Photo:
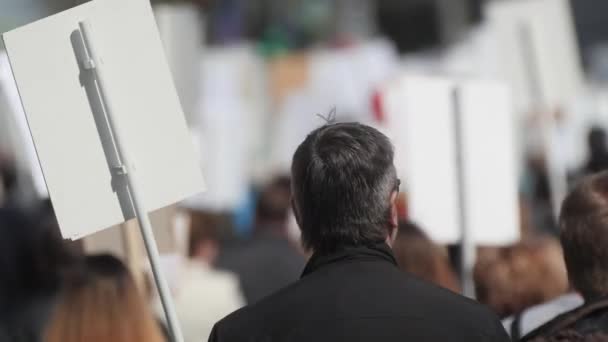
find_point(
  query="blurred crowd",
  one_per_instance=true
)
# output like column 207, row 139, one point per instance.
column 52, row 291
column 308, row 57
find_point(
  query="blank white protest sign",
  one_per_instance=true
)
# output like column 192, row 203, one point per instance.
column 420, row 115
column 61, row 119
column 488, row 161
column 538, row 51
column 423, row 113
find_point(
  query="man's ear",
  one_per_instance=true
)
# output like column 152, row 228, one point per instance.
column 394, row 219
column 296, row 212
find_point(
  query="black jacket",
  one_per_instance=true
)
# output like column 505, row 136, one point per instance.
column 359, row 294
column 579, row 324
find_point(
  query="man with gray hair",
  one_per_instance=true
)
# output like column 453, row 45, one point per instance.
column 344, row 194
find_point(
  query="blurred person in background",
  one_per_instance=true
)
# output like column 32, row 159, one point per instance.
column 204, row 294
column 597, row 149
column 537, row 194
column 8, row 181
column 584, row 238
column 417, row 254
column 33, row 258
column 511, row 279
column 345, row 191
column 530, row 318
column 269, row 261
column 100, row 303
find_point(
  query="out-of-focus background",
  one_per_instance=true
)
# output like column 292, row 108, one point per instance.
column 495, row 108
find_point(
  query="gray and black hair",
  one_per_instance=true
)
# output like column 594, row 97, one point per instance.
column 342, row 179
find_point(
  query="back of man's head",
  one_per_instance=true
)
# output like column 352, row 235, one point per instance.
column 342, row 179
column 584, row 235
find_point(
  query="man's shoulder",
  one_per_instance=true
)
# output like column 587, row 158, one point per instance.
column 406, row 299
column 591, row 318
column 434, row 297
column 274, row 304
column 254, row 319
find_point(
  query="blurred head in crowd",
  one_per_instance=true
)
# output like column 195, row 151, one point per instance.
column 511, row 279
column 203, row 242
column 272, row 207
column 344, row 187
column 8, row 178
column 597, row 149
column 100, row 303
column 584, row 235
column 417, row 254
column 32, row 257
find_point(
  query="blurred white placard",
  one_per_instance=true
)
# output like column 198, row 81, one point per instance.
column 538, row 51
column 420, row 115
column 181, row 30
column 488, row 162
column 223, row 128
column 61, row 120
column 14, row 131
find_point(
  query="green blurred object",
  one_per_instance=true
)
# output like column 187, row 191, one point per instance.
column 274, row 42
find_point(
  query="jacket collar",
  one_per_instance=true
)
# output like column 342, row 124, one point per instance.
column 377, row 252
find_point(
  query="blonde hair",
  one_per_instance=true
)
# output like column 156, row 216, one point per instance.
column 511, row 279
column 100, row 303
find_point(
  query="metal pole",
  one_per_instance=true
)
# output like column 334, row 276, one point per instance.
column 96, row 64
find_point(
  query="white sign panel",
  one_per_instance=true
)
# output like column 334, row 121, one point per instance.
column 15, row 130
column 538, row 50
column 435, row 121
column 488, row 161
column 59, row 98
column 420, row 116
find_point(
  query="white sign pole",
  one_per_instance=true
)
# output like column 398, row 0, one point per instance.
column 467, row 244
column 125, row 169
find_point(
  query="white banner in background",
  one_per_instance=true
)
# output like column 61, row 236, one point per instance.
column 489, row 163
column 422, row 114
column 538, row 51
column 14, row 130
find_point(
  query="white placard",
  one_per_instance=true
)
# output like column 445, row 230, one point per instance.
column 15, row 130
column 488, row 160
column 61, row 115
column 420, row 116
column 182, row 31
column 538, row 51
column 224, row 127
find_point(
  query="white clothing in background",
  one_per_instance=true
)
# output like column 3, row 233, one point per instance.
column 229, row 121
column 204, row 296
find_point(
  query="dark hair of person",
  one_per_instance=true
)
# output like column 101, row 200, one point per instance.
column 8, row 173
column 342, row 179
column 598, row 150
column 32, row 255
column 512, row 278
column 584, row 235
column 206, row 226
column 272, row 206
